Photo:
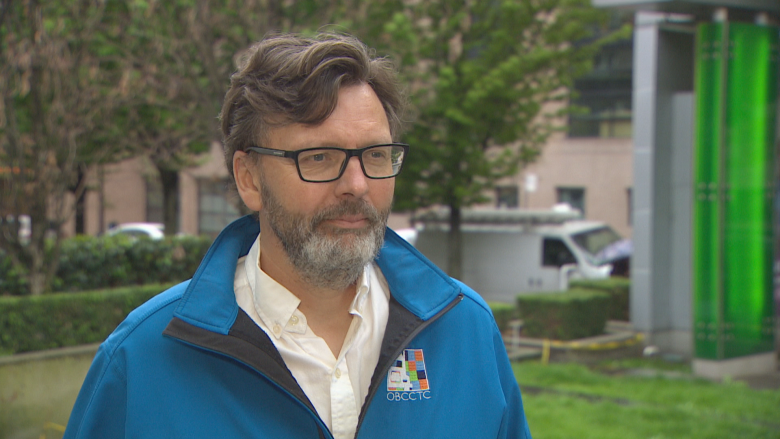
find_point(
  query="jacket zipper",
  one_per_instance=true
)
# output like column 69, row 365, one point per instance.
column 389, row 362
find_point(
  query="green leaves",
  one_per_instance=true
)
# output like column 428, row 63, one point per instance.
column 53, row 321
column 488, row 79
column 89, row 262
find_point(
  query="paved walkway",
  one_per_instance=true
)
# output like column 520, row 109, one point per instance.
column 620, row 340
column 762, row 382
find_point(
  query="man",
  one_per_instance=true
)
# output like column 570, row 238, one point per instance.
column 326, row 323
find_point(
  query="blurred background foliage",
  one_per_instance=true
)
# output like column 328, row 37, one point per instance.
column 90, row 263
column 88, row 82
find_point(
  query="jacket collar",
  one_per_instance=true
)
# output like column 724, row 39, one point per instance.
column 209, row 301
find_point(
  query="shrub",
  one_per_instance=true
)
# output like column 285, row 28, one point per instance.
column 619, row 290
column 564, row 315
column 51, row 321
column 12, row 281
column 89, row 262
column 503, row 313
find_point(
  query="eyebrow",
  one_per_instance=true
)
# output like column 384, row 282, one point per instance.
column 340, row 146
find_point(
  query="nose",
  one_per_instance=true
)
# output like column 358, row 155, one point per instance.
column 353, row 182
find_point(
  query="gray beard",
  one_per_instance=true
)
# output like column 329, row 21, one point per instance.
column 323, row 256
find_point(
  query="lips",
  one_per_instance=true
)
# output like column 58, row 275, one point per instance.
column 351, row 219
column 347, row 225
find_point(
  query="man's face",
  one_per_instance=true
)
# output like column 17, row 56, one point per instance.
column 329, row 231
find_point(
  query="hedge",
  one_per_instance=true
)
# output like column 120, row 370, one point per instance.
column 619, row 290
column 34, row 323
column 89, row 262
column 564, row 315
column 503, row 313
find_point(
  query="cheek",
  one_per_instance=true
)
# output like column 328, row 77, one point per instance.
column 290, row 191
column 306, row 197
column 382, row 193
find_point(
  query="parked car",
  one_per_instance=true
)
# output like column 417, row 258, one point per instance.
column 138, row 230
column 24, row 226
column 409, row 234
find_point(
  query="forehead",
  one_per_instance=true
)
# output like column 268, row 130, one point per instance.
column 358, row 120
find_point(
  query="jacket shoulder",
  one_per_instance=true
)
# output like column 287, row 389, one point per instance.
column 473, row 297
column 152, row 316
column 99, row 410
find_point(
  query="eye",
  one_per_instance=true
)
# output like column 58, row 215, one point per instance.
column 317, row 156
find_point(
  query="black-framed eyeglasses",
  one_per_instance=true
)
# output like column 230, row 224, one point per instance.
column 321, row 165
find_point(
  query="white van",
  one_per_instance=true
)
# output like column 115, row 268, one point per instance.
column 510, row 252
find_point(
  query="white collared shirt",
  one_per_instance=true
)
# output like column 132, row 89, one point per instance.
column 336, row 387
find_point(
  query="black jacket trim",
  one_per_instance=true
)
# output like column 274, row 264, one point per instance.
column 245, row 342
column 402, row 327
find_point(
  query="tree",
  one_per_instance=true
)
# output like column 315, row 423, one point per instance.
column 491, row 81
column 180, row 54
column 175, row 64
column 59, row 91
column 86, row 82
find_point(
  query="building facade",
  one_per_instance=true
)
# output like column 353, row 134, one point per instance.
column 589, row 167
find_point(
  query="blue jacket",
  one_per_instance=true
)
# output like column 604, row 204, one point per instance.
column 191, row 364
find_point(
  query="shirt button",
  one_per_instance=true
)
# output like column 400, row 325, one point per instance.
column 338, row 373
column 294, row 320
column 277, row 329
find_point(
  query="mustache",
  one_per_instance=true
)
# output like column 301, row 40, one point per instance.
column 347, row 207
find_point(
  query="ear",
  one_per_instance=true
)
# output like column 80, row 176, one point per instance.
column 247, row 179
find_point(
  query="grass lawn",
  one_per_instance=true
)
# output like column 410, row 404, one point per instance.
column 646, row 399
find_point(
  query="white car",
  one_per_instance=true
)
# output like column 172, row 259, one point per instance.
column 409, row 234
column 138, row 230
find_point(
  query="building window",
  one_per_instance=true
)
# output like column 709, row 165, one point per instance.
column 573, row 196
column 154, row 200
column 215, row 210
column 507, row 196
column 603, row 95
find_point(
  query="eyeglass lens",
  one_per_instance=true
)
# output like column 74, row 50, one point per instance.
column 380, row 161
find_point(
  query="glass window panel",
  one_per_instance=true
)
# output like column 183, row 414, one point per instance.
column 215, row 211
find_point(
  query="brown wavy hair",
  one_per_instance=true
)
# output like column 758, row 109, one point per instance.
column 288, row 79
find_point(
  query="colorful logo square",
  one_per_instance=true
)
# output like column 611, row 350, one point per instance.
column 408, row 373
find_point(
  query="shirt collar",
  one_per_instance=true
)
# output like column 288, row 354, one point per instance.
column 274, row 303
column 363, row 285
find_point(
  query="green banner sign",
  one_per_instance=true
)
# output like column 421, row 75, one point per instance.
column 734, row 176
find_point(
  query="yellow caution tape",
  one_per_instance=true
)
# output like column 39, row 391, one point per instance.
column 636, row 338
column 51, row 426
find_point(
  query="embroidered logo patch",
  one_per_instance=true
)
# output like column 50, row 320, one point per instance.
column 408, row 374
